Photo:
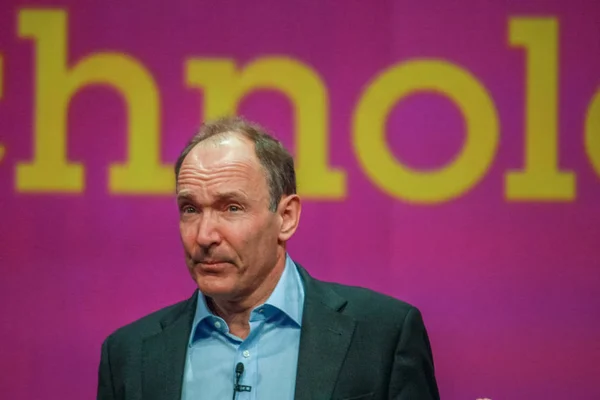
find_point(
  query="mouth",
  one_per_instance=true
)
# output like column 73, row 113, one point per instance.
column 213, row 266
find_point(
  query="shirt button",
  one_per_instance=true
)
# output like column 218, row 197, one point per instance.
column 261, row 310
column 246, row 354
column 217, row 324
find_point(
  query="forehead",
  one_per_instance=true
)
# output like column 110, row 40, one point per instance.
column 221, row 149
column 224, row 158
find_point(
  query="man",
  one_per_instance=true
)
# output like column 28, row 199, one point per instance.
column 259, row 326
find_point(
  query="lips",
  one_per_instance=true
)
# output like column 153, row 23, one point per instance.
column 211, row 262
column 213, row 266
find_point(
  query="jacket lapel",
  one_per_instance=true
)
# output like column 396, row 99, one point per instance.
column 324, row 341
column 164, row 354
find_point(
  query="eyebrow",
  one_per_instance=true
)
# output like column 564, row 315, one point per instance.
column 184, row 195
column 220, row 196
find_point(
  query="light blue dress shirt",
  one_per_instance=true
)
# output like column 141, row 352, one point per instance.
column 269, row 353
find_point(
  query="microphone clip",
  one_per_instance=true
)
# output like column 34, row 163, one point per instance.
column 243, row 388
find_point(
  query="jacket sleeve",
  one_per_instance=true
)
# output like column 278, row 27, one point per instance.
column 413, row 376
column 105, row 385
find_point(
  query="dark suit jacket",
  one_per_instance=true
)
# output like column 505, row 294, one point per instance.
column 355, row 344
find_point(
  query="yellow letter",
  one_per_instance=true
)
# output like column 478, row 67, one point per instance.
column 50, row 170
column 224, row 87
column 401, row 81
column 541, row 179
column 592, row 132
column 1, row 93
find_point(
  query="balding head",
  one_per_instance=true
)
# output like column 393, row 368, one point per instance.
column 276, row 161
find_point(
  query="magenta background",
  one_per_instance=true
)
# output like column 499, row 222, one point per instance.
column 509, row 291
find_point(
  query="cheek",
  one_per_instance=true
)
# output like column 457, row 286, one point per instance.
column 186, row 233
column 245, row 235
column 264, row 236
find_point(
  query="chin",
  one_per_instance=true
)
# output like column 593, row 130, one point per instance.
column 214, row 285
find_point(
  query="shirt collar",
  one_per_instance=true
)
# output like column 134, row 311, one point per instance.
column 287, row 297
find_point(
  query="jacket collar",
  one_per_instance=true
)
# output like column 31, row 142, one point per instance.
column 324, row 341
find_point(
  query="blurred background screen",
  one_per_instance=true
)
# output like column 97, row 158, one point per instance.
column 448, row 154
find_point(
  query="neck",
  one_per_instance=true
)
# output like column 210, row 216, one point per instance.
column 236, row 312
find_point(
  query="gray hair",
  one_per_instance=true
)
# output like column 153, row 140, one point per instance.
column 274, row 158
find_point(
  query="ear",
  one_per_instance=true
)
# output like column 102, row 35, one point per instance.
column 289, row 211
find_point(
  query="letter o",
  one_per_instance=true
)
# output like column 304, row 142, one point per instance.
column 471, row 163
column 592, row 132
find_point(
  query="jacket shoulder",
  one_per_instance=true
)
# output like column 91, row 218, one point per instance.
column 368, row 304
column 150, row 323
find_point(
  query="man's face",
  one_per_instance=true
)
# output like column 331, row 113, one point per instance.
column 230, row 237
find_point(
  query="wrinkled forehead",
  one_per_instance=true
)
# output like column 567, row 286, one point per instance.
column 227, row 162
column 222, row 150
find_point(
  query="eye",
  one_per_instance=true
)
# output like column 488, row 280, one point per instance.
column 234, row 208
column 186, row 209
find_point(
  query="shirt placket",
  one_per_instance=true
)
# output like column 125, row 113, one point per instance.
column 248, row 353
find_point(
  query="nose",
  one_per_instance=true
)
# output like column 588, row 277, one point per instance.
column 208, row 234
